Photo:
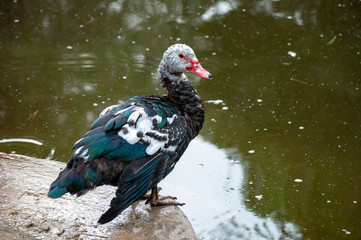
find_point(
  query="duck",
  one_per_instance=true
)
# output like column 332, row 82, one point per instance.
column 135, row 144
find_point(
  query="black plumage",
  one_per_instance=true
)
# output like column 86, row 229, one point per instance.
column 135, row 144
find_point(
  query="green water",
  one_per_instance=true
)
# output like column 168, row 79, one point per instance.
column 288, row 126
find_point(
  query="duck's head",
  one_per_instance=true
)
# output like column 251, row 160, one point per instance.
column 178, row 59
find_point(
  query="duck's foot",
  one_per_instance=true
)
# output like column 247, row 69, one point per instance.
column 149, row 194
column 155, row 200
column 166, row 200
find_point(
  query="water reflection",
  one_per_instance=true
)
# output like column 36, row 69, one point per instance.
column 210, row 181
column 21, row 140
column 76, row 61
column 284, row 100
column 218, row 9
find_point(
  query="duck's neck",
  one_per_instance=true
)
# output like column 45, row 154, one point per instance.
column 184, row 95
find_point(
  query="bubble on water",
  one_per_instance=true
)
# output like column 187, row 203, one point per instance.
column 259, row 197
column 292, row 54
column 214, row 101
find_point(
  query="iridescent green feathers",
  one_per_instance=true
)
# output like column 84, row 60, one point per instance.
column 135, row 144
column 108, row 140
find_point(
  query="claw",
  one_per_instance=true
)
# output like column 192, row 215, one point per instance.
column 166, row 200
column 155, row 200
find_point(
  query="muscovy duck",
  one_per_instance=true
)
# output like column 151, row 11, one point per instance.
column 133, row 145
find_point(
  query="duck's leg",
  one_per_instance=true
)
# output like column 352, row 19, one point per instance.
column 149, row 193
column 155, row 200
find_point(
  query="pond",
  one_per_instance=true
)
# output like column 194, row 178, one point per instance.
column 279, row 156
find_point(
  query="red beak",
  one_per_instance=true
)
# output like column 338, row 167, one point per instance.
column 196, row 68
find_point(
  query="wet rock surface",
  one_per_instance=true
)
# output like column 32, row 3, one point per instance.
column 27, row 213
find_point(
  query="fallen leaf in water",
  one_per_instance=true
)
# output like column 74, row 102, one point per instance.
column 296, row 80
column 32, row 116
column 331, row 41
column 90, row 21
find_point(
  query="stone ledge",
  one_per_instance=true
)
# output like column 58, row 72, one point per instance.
column 27, row 213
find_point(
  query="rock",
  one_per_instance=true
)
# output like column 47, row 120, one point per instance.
column 8, row 233
column 27, row 213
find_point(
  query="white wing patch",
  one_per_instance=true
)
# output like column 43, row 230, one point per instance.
column 171, row 119
column 121, row 111
column 140, row 126
column 83, row 154
column 108, row 109
column 155, row 144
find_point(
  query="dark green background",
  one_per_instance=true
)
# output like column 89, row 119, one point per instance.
column 288, row 73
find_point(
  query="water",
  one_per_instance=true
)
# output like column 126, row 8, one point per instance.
column 279, row 154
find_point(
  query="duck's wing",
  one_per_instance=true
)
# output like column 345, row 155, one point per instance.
column 133, row 146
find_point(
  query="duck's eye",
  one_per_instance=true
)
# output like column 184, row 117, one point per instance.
column 181, row 56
